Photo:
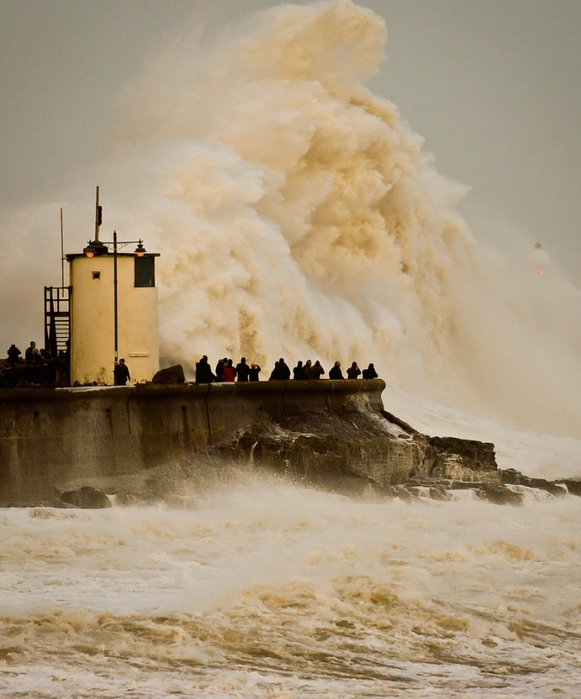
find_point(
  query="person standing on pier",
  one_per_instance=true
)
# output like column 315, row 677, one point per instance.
column 316, row 371
column 299, row 372
column 242, row 370
column 336, row 373
column 281, row 371
column 13, row 354
column 204, row 371
column 32, row 353
column 121, row 373
column 354, row 371
column 254, row 372
column 369, row 373
column 220, row 370
column 229, row 372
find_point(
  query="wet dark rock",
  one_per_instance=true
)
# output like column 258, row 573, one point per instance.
column 466, row 485
column 339, row 451
column 513, row 477
column 172, row 374
column 400, row 423
column 357, row 454
column 462, row 459
column 61, row 505
column 498, row 494
column 124, row 499
column 87, row 497
column 573, row 485
column 402, row 493
column 354, row 451
column 439, row 493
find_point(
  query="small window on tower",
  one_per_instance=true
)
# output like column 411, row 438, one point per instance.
column 145, row 271
column 96, row 275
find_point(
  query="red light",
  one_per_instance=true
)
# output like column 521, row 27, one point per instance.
column 541, row 271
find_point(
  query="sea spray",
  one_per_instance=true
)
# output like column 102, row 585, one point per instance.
column 266, row 589
column 298, row 215
column 334, row 221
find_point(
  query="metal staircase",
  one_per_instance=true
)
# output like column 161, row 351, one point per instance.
column 57, row 319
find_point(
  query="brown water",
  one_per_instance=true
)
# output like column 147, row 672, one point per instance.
column 269, row 590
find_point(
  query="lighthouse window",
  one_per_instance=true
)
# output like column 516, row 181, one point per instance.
column 144, row 271
column 96, row 275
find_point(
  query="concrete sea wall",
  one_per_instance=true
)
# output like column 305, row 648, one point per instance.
column 51, row 436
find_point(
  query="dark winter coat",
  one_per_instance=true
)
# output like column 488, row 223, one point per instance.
column 242, row 371
column 353, row 372
column 204, row 372
column 369, row 373
column 336, row 373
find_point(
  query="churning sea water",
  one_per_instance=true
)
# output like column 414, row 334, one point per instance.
column 267, row 589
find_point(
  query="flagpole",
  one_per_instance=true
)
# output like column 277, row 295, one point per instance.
column 62, row 253
column 98, row 214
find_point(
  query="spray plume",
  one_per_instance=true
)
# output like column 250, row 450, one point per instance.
column 297, row 215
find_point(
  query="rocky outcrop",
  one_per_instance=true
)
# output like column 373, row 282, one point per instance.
column 85, row 497
column 573, row 485
column 461, row 459
column 557, row 488
column 371, row 446
column 352, row 453
column 172, row 441
column 498, row 494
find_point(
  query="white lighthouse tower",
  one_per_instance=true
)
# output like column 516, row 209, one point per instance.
column 113, row 310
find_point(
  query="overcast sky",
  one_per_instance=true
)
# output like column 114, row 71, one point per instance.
column 494, row 87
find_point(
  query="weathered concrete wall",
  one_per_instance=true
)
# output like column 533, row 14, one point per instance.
column 50, row 436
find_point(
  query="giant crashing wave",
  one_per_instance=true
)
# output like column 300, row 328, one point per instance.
column 297, row 215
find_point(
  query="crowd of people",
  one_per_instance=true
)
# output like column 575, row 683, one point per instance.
column 36, row 367
column 226, row 371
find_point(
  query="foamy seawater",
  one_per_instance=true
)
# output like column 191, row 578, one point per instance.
column 271, row 590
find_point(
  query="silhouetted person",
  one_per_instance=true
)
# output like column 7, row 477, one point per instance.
column 32, row 353
column 220, row 369
column 13, row 354
column 316, row 370
column 229, row 372
column 285, row 372
column 121, row 373
column 48, row 373
column 281, row 372
column 354, row 371
column 308, row 366
column 369, row 373
column 336, row 373
column 299, row 372
column 62, row 369
column 242, row 370
column 204, row 371
column 254, row 371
